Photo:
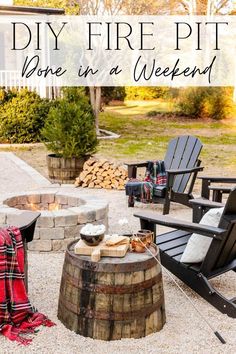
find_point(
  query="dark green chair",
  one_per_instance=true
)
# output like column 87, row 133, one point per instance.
column 182, row 166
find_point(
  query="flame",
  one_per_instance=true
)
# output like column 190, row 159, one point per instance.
column 53, row 207
column 33, row 207
column 36, row 207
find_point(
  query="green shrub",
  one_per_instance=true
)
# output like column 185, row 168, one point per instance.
column 69, row 129
column 22, row 117
column 219, row 104
column 134, row 93
column 206, row 102
column 190, row 102
column 152, row 113
column 74, row 94
column 6, row 95
column 113, row 93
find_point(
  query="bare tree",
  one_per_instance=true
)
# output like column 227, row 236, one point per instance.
column 112, row 7
column 140, row 7
column 98, row 7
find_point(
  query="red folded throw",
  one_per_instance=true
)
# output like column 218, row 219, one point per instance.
column 17, row 317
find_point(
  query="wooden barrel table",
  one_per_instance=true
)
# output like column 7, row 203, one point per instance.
column 114, row 298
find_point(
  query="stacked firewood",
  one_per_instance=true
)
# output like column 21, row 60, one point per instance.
column 102, row 174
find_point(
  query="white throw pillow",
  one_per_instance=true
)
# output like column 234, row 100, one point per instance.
column 198, row 245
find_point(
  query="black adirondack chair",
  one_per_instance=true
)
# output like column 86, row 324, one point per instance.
column 221, row 256
column 26, row 222
column 182, row 165
column 201, row 206
column 217, row 190
column 216, row 186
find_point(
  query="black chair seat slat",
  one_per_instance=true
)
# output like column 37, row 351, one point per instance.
column 174, row 243
column 177, row 258
column 176, row 251
column 169, row 236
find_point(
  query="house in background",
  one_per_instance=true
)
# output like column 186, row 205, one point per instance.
column 12, row 78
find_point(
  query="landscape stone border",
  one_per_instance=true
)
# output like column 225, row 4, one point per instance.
column 107, row 134
column 55, row 229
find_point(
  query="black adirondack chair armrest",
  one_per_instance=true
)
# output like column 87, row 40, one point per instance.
column 137, row 164
column 218, row 179
column 185, row 171
column 26, row 222
column 172, row 173
column 206, row 203
column 168, row 221
column 132, row 168
column 26, row 219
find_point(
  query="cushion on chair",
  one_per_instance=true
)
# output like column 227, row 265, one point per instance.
column 198, row 245
column 159, row 191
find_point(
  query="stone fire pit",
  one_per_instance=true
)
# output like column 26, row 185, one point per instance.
column 62, row 216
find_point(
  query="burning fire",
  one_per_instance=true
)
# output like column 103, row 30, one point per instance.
column 54, row 207
column 33, row 207
column 51, row 207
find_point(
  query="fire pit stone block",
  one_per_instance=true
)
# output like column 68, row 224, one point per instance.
column 46, row 219
column 40, row 245
column 65, row 217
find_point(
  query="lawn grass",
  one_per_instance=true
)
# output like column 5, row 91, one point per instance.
column 144, row 137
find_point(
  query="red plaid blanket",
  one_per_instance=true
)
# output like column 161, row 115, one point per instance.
column 156, row 172
column 17, row 317
column 155, row 176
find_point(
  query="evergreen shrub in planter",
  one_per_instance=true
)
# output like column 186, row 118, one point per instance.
column 70, row 134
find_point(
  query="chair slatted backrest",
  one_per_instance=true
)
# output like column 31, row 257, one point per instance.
column 221, row 253
column 182, row 153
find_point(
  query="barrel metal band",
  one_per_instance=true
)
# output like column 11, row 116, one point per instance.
column 112, row 316
column 111, row 289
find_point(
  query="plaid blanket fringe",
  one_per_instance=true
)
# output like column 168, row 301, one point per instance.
column 17, row 316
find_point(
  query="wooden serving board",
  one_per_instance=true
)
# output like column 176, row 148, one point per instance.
column 101, row 250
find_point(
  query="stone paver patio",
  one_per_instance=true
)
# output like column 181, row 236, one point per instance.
column 16, row 175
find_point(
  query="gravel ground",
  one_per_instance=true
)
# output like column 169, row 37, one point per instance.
column 184, row 331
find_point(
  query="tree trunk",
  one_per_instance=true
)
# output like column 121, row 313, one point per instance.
column 95, row 99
